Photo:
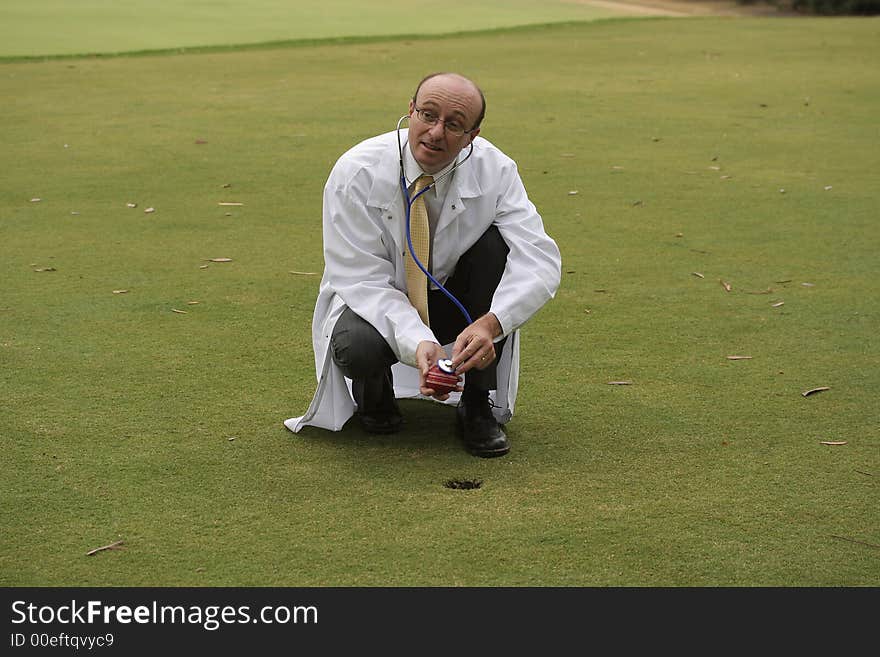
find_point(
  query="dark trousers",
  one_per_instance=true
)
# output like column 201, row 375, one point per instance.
column 363, row 355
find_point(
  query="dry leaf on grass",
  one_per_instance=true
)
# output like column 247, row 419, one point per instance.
column 832, row 442
column 219, row 259
column 739, row 358
column 229, row 203
column 697, row 274
column 854, row 540
column 807, row 393
column 149, row 210
column 113, row 546
column 305, row 273
column 620, row 383
column 777, row 304
column 131, row 205
column 46, row 269
column 120, row 291
column 181, row 312
column 725, row 285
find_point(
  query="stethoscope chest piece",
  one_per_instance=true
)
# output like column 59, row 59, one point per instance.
column 445, row 365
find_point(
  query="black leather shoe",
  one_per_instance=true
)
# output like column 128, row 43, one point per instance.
column 381, row 422
column 480, row 430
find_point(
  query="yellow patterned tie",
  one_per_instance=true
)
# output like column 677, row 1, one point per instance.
column 416, row 281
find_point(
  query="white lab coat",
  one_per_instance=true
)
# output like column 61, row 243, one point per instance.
column 364, row 244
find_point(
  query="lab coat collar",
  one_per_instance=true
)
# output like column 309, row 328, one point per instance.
column 385, row 192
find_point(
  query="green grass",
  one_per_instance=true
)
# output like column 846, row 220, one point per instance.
column 122, row 420
column 61, row 27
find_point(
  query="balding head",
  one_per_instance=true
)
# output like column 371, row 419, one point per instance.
column 474, row 91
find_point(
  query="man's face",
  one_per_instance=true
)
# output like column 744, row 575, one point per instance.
column 456, row 103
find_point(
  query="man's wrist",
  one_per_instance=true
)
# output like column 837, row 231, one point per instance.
column 490, row 321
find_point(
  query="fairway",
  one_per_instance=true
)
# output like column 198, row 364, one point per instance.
column 60, row 27
column 712, row 185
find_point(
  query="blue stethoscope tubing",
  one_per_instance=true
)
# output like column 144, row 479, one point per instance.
column 408, row 203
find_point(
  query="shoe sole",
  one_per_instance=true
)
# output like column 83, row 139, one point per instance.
column 486, row 454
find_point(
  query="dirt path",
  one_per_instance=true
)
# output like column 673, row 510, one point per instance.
column 685, row 7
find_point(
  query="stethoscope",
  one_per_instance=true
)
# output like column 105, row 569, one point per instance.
column 408, row 203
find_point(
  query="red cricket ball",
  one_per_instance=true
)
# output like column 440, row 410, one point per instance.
column 442, row 378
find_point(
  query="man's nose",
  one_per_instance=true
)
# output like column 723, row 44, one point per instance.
column 438, row 130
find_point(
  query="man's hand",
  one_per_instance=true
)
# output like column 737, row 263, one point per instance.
column 474, row 347
column 428, row 353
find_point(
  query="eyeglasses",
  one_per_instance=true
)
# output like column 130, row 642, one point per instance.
column 453, row 127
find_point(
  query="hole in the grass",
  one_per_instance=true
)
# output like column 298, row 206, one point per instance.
column 463, row 484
